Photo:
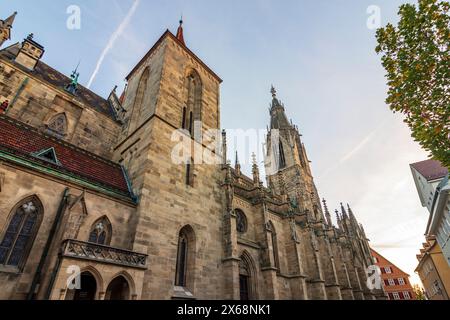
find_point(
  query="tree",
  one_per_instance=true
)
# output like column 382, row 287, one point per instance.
column 419, row 292
column 415, row 55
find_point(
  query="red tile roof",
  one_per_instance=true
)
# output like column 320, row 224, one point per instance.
column 430, row 169
column 24, row 140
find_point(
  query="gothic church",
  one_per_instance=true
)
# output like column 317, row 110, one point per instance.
column 88, row 188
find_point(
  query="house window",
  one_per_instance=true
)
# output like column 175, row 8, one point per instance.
column 391, row 282
column 21, row 232
column 388, row 269
column 396, row 295
column 401, row 281
column 406, row 295
column 436, row 287
column 375, row 259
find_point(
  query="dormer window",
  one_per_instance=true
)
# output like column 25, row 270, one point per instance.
column 48, row 155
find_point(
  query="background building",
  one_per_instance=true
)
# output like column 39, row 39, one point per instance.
column 395, row 282
column 433, row 271
column 432, row 182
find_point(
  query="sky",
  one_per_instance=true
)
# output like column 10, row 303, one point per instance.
column 318, row 54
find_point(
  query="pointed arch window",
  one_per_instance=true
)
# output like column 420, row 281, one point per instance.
column 194, row 88
column 140, row 95
column 101, row 232
column 57, row 125
column 19, row 236
column 184, row 273
column 182, row 261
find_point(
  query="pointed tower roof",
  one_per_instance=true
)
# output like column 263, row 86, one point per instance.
column 278, row 118
column 180, row 35
column 344, row 213
column 10, row 20
column 350, row 212
column 237, row 165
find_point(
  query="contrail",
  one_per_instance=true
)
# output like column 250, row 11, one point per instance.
column 116, row 34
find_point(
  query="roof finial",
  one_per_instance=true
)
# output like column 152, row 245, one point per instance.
column 72, row 87
column 273, row 91
column 180, row 36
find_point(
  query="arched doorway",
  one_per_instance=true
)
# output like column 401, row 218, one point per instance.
column 244, row 282
column 247, row 277
column 88, row 288
column 118, row 289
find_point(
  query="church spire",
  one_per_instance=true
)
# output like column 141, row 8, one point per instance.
column 237, row 165
column 278, row 118
column 5, row 28
column 10, row 20
column 255, row 169
column 180, row 35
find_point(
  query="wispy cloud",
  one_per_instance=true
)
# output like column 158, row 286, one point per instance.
column 360, row 146
column 116, row 34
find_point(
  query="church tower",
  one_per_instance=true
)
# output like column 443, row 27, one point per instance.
column 171, row 100
column 5, row 28
column 287, row 166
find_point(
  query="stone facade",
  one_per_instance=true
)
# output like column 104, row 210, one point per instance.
column 184, row 230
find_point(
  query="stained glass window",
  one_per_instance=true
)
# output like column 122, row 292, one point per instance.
column 101, row 232
column 20, row 233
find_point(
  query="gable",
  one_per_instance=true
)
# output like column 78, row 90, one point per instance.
column 382, row 261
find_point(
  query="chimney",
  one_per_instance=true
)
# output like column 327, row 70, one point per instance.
column 30, row 53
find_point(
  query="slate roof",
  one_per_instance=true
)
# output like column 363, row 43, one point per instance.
column 23, row 141
column 430, row 169
column 47, row 74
